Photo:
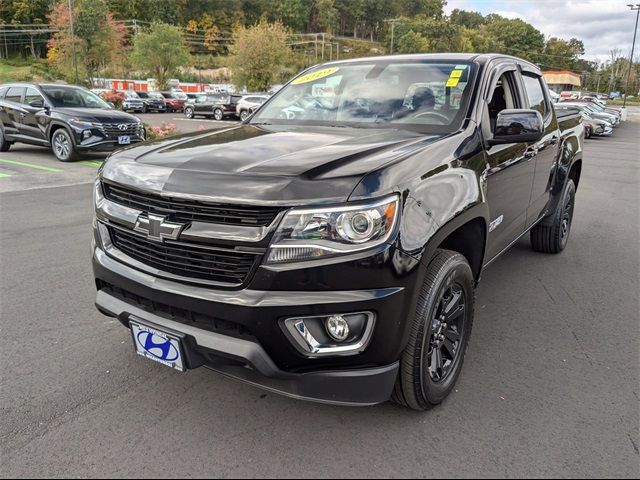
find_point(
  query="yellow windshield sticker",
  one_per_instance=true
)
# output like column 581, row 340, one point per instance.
column 456, row 74
column 453, row 82
column 313, row 76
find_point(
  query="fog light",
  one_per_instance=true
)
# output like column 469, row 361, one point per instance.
column 337, row 328
column 86, row 134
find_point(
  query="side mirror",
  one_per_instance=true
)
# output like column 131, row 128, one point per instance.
column 518, row 126
column 36, row 103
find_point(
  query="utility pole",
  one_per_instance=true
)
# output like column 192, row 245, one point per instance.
column 635, row 7
column 392, row 21
column 73, row 42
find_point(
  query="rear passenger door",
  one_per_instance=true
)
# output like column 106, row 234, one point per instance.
column 510, row 168
column 546, row 148
column 11, row 110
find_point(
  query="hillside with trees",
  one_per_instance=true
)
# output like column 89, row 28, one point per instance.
column 126, row 37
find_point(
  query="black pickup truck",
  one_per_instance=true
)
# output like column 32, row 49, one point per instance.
column 328, row 247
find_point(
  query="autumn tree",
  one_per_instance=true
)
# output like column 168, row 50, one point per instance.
column 257, row 55
column 160, row 51
column 97, row 42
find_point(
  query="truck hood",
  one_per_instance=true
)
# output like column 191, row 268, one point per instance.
column 278, row 165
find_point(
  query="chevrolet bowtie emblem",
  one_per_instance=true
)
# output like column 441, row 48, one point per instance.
column 156, row 228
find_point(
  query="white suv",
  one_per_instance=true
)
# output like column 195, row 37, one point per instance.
column 245, row 104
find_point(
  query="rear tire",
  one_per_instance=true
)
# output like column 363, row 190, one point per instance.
column 440, row 331
column 188, row 112
column 218, row 114
column 4, row 144
column 244, row 114
column 552, row 234
column 62, row 146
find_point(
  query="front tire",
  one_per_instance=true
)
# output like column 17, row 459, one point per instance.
column 552, row 234
column 440, row 331
column 62, row 146
column 4, row 144
column 244, row 114
column 188, row 112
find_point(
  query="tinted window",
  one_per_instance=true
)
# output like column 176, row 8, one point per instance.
column 535, row 93
column 32, row 95
column 14, row 94
column 3, row 90
column 73, row 97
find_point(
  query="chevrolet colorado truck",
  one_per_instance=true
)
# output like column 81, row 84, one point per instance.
column 328, row 247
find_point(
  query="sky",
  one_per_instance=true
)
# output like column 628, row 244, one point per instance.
column 601, row 24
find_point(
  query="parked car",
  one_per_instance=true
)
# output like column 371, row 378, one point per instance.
column 132, row 102
column 333, row 256
column 612, row 118
column 600, row 106
column 248, row 104
column 71, row 120
column 152, row 102
column 173, row 103
column 216, row 105
column 592, row 126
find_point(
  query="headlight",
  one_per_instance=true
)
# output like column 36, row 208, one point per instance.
column 81, row 124
column 314, row 233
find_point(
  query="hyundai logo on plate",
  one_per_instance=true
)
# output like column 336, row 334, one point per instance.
column 157, row 346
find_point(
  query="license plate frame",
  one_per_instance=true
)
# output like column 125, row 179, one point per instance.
column 124, row 139
column 166, row 348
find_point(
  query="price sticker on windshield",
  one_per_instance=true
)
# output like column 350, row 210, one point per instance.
column 454, row 78
column 313, row 76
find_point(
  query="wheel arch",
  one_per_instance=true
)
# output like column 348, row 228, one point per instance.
column 465, row 234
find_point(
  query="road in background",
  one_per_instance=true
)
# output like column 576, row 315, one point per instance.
column 549, row 387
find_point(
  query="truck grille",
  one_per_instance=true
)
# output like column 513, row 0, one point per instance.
column 112, row 130
column 181, row 210
column 195, row 261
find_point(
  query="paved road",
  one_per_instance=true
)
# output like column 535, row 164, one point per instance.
column 550, row 385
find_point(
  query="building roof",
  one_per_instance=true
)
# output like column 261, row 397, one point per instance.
column 562, row 77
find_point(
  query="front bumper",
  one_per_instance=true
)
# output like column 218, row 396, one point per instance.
column 247, row 361
column 239, row 332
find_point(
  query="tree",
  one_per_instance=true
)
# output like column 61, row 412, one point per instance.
column 97, row 42
column 160, row 51
column 257, row 55
column 563, row 54
column 466, row 18
column 412, row 42
column 323, row 16
column 514, row 37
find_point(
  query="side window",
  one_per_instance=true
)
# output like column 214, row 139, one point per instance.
column 535, row 94
column 503, row 97
column 33, row 95
column 3, row 90
column 14, row 94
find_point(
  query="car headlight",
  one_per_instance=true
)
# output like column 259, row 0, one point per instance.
column 81, row 124
column 306, row 234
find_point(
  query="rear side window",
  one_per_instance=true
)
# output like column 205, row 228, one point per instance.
column 14, row 94
column 535, row 94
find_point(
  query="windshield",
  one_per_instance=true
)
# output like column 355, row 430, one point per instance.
column 424, row 95
column 73, row 97
column 131, row 94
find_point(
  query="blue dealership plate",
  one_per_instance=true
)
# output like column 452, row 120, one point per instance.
column 157, row 345
column 124, row 140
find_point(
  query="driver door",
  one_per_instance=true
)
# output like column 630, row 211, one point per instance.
column 510, row 169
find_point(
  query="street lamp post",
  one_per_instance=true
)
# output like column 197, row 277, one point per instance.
column 633, row 46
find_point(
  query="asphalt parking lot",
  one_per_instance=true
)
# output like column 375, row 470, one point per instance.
column 550, row 385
